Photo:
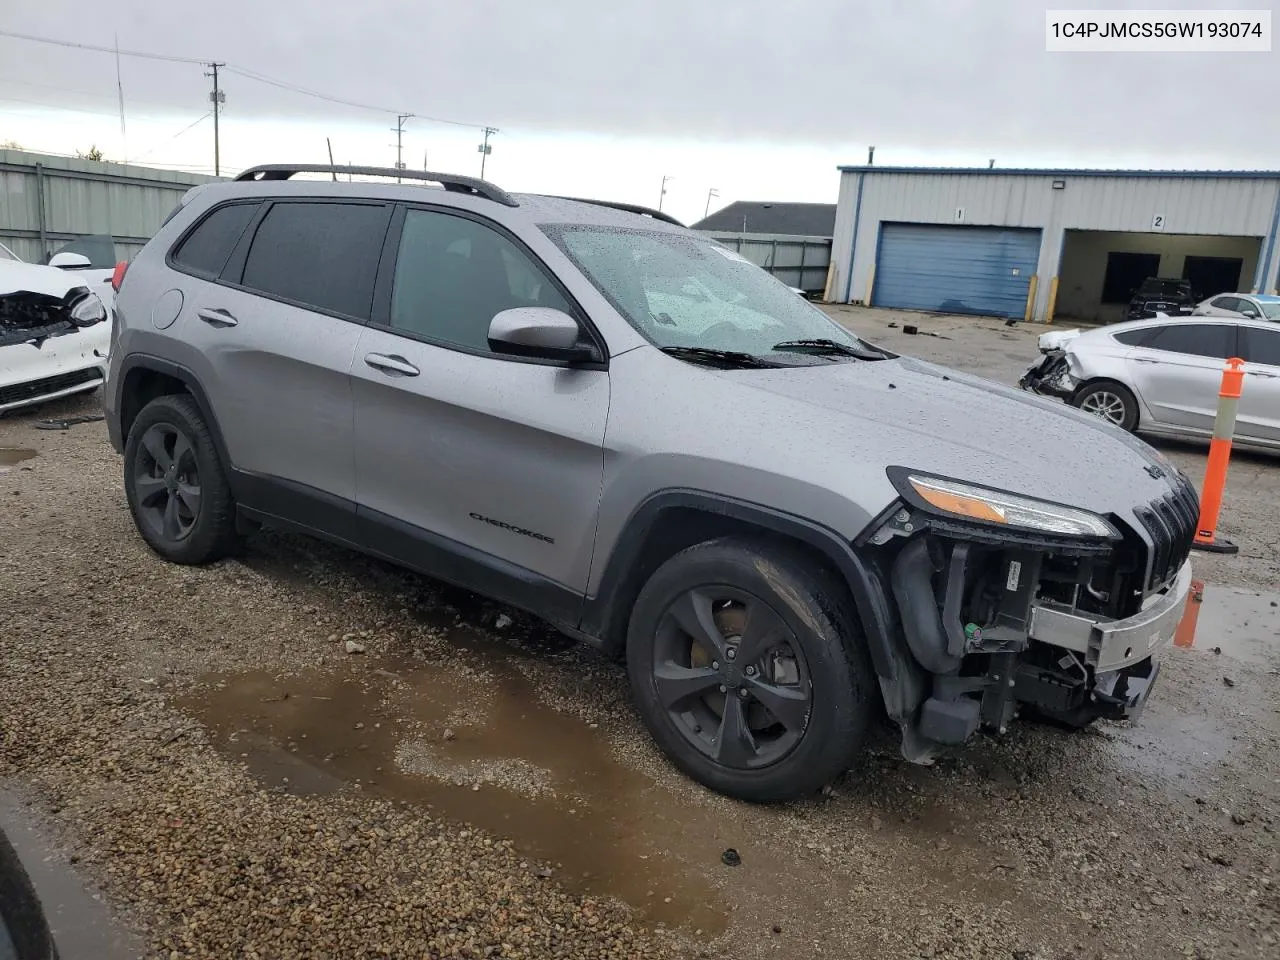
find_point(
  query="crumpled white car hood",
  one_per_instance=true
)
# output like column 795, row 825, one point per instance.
column 35, row 278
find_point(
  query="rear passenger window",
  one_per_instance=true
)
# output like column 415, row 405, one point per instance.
column 321, row 255
column 1214, row 340
column 206, row 248
column 1227, row 303
column 1260, row 346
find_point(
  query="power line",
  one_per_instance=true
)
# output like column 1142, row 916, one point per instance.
column 94, row 113
column 231, row 68
column 90, row 46
column 91, row 94
column 293, row 87
column 163, row 143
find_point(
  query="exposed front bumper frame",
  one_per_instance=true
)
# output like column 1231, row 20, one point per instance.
column 1115, row 644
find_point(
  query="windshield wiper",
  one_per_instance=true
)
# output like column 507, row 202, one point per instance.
column 728, row 358
column 822, row 345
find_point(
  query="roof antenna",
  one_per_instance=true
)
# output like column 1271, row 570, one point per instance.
column 871, row 155
column 991, row 163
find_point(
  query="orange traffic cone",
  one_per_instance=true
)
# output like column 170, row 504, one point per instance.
column 1215, row 473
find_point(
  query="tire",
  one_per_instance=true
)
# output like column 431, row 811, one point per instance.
column 1099, row 395
column 796, row 629
column 200, row 526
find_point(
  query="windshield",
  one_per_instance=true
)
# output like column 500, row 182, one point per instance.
column 683, row 291
column 1270, row 309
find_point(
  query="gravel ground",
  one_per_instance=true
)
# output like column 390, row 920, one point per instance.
column 206, row 750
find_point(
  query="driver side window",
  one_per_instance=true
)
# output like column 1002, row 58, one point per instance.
column 454, row 275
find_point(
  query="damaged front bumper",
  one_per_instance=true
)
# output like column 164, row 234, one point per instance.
column 1051, row 376
column 1109, row 645
column 51, row 346
column 989, row 627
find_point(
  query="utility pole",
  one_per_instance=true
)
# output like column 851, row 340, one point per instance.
column 713, row 192
column 124, row 140
column 485, row 149
column 662, row 194
column 217, row 98
column 398, row 130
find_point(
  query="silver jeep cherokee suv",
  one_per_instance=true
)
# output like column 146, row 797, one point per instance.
column 586, row 411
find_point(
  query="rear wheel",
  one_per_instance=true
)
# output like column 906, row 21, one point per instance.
column 1113, row 402
column 749, row 670
column 175, row 484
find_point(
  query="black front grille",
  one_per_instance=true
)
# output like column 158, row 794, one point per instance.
column 33, row 389
column 1171, row 524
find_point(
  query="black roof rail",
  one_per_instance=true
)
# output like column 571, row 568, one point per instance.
column 451, row 182
column 629, row 208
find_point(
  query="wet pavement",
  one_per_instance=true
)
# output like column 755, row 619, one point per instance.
column 12, row 456
column 1238, row 624
column 475, row 747
column 476, row 743
column 83, row 926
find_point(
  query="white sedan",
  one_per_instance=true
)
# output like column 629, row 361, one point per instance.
column 1162, row 375
column 55, row 329
column 1249, row 306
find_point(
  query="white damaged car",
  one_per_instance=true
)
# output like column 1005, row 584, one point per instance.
column 55, row 328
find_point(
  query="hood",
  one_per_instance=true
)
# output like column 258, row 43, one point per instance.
column 34, row 278
column 905, row 412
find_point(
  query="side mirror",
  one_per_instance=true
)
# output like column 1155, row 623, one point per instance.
column 1249, row 314
column 70, row 261
column 540, row 332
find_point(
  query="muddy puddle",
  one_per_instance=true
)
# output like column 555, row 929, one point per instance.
column 10, row 457
column 473, row 747
column 1233, row 622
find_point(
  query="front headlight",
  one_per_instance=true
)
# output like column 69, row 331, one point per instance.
column 88, row 310
column 982, row 505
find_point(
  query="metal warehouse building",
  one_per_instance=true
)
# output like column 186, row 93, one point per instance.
column 790, row 240
column 46, row 201
column 1036, row 244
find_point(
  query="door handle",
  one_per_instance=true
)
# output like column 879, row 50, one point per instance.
column 391, row 364
column 1144, row 360
column 1265, row 376
column 217, row 317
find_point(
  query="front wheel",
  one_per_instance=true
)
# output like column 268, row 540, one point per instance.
column 1113, row 402
column 749, row 670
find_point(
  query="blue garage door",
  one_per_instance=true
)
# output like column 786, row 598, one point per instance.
column 982, row 270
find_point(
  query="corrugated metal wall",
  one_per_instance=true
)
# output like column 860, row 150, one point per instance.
column 1197, row 205
column 797, row 261
column 46, row 201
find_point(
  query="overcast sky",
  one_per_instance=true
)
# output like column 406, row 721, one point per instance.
column 760, row 99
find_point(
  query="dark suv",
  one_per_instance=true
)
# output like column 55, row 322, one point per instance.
column 1168, row 295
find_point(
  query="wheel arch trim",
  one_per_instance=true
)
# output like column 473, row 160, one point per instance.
column 149, row 363
column 601, row 613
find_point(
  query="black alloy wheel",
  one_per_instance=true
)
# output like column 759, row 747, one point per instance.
column 731, row 677
column 167, row 481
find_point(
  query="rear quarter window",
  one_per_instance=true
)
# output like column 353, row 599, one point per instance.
column 1134, row 338
column 205, row 249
